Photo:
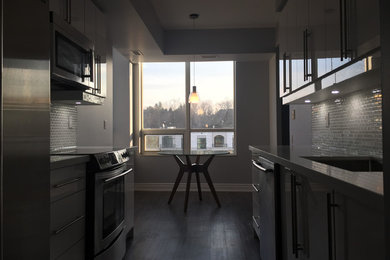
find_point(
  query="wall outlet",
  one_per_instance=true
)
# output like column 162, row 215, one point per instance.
column 104, row 124
column 293, row 114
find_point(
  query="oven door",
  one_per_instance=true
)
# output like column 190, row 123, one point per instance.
column 109, row 206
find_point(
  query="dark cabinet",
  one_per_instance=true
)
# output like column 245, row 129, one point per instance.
column 67, row 212
column 318, row 36
column 294, row 216
column 95, row 30
column 319, row 223
column 129, row 197
column 263, row 194
column 71, row 11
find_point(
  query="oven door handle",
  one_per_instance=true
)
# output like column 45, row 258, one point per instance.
column 118, row 176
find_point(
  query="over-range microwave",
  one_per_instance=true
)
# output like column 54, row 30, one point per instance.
column 72, row 56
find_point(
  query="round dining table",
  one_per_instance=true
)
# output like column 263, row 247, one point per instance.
column 193, row 167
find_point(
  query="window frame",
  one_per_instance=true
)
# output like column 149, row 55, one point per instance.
column 185, row 132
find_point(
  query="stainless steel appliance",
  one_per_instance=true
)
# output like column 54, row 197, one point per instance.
column 105, row 219
column 72, row 65
column 24, row 129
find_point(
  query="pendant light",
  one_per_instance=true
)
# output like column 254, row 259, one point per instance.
column 193, row 97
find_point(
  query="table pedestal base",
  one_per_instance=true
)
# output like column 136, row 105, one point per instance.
column 196, row 168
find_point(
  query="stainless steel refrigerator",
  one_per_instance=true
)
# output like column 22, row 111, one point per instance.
column 25, row 128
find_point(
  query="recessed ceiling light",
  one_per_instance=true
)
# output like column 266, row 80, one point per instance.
column 307, row 101
column 335, row 92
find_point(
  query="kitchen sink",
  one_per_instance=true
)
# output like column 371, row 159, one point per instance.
column 355, row 164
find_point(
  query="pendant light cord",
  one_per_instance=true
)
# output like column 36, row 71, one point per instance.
column 193, row 28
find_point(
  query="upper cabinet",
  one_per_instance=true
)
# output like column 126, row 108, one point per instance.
column 89, row 20
column 95, row 29
column 72, row 11
column 317, row 37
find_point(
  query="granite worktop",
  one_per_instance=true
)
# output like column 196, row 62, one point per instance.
column 359, row 184
column 59, row 161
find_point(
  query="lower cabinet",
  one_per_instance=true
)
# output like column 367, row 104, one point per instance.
column 263, row 195
column 129, row 198
column 67, row 212
column 320, row 223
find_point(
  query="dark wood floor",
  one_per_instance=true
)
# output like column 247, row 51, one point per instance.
column 164, row 232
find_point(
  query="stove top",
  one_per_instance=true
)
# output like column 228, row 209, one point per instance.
column 105, row 157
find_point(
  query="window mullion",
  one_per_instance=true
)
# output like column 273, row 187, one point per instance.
column 187, row 142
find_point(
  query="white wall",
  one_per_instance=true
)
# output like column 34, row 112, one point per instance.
column 252, row 102
column 121, row 100
column 95, row 123
column 273, row 126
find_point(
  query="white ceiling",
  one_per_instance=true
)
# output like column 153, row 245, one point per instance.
column 215, row 14
column 130, row 33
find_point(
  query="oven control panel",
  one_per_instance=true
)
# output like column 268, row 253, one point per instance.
column 112, row 158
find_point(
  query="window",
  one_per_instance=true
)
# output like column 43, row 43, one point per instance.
column 169, row 122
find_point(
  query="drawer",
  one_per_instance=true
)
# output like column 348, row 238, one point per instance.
column 76, row 252
column 61, row 242
column 65, row 210
column 67, row 180
column 67, row 223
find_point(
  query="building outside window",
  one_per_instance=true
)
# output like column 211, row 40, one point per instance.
column 169, row 122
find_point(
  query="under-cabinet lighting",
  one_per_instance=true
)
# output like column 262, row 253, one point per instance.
column 335, row 92
column 307, row 101
column 78, row 103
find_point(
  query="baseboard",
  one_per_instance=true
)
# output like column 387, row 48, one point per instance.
column 231, row 187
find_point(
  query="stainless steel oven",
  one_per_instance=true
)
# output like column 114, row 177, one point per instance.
column 109, row 207
column 72, row 56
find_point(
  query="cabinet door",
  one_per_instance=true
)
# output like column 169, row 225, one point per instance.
column 267, row 215
column 364, row 231
column 294, row 216
column 77, row 14
column 367, row 25
column 282, row 32
column 90, row 20
column 304, row 58
column 60, row 8
column 293, row 47
column 335, row 35
column 318, row 222
column 317, row 35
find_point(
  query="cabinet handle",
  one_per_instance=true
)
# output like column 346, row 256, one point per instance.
column 306, row 73
column 341, row 31
column 67, row 182
column 255, row 188
column 284, row 73
column 254, row 220
column 66, row 226
column 261, row 168
column 296, row 247
column 330, row 203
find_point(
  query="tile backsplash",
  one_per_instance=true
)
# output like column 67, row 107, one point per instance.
column 63, row 126
column 351, row 124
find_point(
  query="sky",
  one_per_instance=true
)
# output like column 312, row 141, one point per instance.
column 163, row 82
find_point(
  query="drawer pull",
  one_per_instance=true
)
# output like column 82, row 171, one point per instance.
column 67, row 182
column 255, row 188
column 254, row 220
column 261, row 168
column 66, row 226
